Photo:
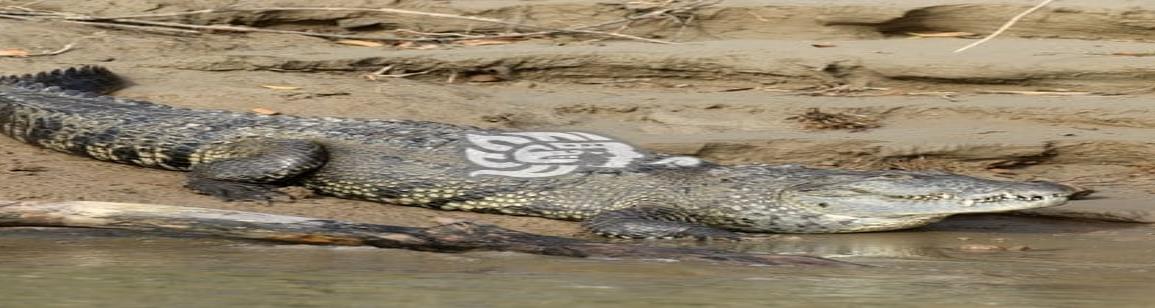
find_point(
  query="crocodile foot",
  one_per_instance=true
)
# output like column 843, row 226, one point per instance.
column 235, row 191
column 653, row 223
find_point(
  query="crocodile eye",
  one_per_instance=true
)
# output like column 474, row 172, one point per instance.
column 896, row 176
column 823, row 204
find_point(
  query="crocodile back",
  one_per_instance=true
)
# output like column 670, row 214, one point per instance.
column 84, row 79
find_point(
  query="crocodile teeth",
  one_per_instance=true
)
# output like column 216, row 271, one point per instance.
column 1000, row 198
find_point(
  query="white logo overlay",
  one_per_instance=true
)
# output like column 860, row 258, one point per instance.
column 546, row 154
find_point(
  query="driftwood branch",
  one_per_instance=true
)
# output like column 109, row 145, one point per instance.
column 455, row 237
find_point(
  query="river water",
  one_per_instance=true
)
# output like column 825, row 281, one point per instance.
column 1068, row 264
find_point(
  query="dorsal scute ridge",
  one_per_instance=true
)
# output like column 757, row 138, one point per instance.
column 88, row 78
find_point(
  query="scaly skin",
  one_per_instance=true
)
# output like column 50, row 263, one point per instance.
column 245, row 156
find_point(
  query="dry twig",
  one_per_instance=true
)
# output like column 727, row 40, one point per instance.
column 133, row 27
column 1006, row 25
column 64, row 49
column 20, row 53
column 1042, row 93
column 384, row 73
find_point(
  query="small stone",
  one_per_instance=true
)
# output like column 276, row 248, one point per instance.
column 264, row 111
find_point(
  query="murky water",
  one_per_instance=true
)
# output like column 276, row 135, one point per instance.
column 1069, row 264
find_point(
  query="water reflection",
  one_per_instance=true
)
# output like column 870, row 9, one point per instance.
column 1070, row 266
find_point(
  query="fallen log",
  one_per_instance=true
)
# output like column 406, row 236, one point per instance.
column 454, row 237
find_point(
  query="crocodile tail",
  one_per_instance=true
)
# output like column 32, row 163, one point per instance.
column 87, row 79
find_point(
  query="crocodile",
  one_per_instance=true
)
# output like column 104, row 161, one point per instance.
column 250, row 156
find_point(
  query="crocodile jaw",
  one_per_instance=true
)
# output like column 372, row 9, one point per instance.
column 924, row 195
column 945, row 204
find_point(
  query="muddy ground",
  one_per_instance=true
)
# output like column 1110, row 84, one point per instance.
column 1065, row 95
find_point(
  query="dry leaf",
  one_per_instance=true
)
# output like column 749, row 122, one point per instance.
column 1134, row 53
column 275, row 87
column 264, row 111
column 483, row 42
column 14, row 52
column 415, row 45
column 1001, row 171
column 359, row 43
column 823, row 45
column 941, row 34
column 484, row 78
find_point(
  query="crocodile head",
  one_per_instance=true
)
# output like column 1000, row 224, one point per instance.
column 804, row 200
column 894, row 197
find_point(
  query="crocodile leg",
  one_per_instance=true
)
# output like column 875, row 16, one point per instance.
column 652, row 222
column 253, row 169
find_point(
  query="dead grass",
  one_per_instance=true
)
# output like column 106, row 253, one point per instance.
column 814, row 119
